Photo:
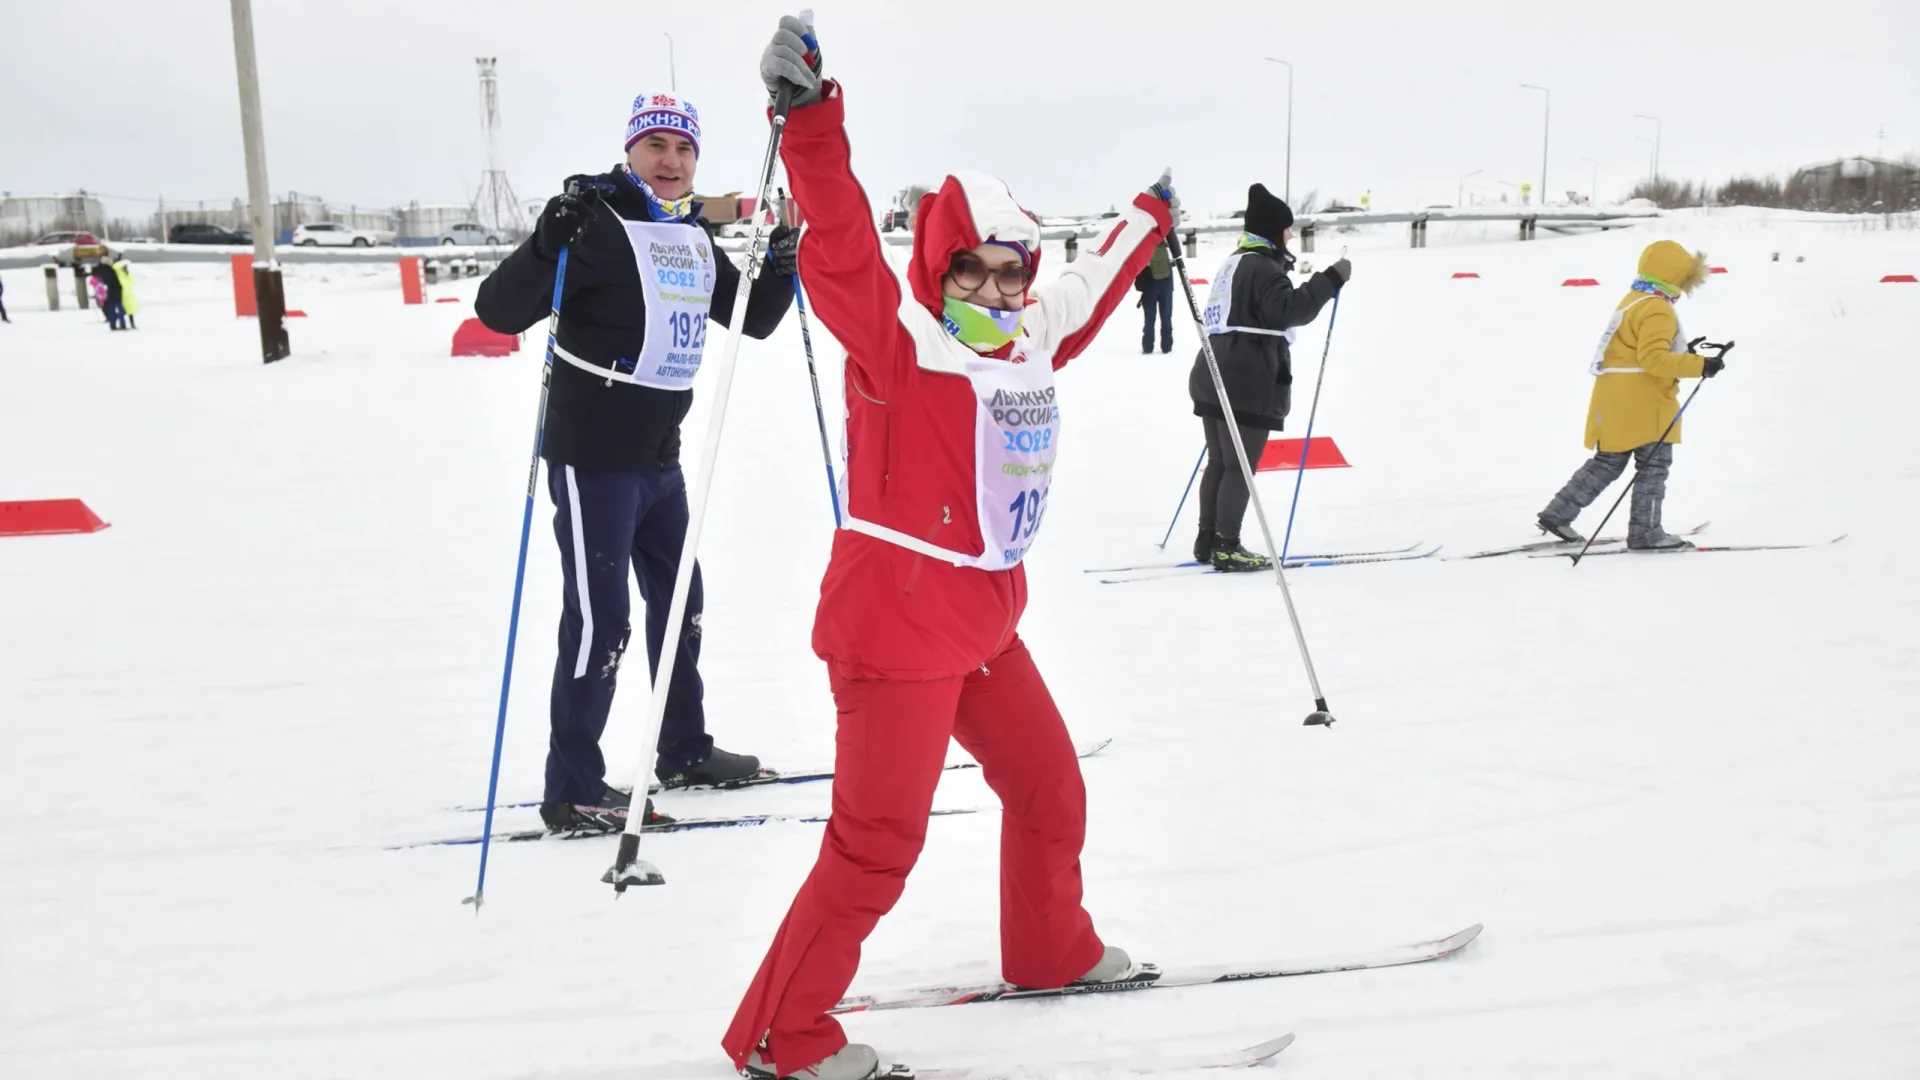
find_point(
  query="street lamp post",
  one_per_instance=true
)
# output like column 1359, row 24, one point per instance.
column 1653, row 158
column 1460, row 199
column 1546, row 125
column 1656, row 140
column 673, row 80
column 1289, row 180
column 270, row 301
column 1593, row 190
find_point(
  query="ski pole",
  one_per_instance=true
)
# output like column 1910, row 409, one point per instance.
column 1320, row 714
column 519, row 581
column 1333, row 317
column 1183, row 497
column 1724, row 349
column 628, row 868
column 813, row 376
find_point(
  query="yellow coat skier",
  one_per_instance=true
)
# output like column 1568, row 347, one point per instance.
column 125, row 273
column 1636, row 388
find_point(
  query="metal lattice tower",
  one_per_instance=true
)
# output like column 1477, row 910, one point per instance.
column 495, row 205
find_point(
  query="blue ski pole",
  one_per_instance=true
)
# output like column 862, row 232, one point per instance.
column 813, row 376
column 1183, row 497
column 1332, row 318
column 519, row 580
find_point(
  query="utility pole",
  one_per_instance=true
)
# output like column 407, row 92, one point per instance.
column 1546, row 126
column 673, row 80
column 268, row 294
column 1289, row 181
column 1656, row 142
column 1460, row 198
column 1593, row 192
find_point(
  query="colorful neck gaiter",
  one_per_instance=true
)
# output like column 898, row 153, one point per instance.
column 1249, row 240
column 676, row 210
column 1654, row 285
column 982, row 329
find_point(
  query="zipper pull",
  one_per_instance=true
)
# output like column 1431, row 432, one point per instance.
column 984, row 671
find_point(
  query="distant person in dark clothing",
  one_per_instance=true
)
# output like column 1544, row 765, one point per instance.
column 111, row 306
column 3, row 303
column 1156, row 295
column 1249, row 317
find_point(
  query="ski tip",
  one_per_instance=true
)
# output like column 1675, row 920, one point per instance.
column 1447, row 946
column 1096, row 748
column 1266, row 1050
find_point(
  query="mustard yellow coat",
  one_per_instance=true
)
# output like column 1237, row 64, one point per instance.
column 1631, row 409
column 127, row 299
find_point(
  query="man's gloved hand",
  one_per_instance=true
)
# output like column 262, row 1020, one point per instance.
column 783, row 254
column 561, row 222
column 1341, row 269
column 792, row 60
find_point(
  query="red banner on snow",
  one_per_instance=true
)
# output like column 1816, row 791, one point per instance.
column 48, row 517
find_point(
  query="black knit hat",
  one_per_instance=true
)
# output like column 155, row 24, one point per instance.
column 1267, row 217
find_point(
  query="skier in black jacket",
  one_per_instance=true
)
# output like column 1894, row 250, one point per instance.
column 642, row 278
column 1250, row 315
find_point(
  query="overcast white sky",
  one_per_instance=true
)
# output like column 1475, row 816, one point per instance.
column 1076, row 103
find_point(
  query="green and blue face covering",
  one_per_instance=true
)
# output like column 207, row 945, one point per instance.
column 982, row 329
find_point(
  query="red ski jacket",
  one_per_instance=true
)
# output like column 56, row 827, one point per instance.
column 914, row 416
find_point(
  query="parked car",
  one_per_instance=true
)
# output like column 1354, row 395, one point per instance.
column 195, row 233
column 81, row 247
column 469, row 232
column 333, row 234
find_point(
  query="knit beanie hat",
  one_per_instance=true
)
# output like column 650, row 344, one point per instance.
column 664, row 112
column 1267, row 216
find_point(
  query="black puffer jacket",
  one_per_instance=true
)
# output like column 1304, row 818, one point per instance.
column 1258, row 368
column 593, row 423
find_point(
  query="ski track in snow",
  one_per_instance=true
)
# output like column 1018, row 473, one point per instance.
column 1683, row 795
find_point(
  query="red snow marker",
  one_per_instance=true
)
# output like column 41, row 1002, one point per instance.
column 411, row 291
column 1465, row 274
column 474, row 339
column 1198, row 280
column 296, row 313
column 48, row 517
column 446, row 299
column 1718, row 270
column 1283, row 455
column 1904, row 278
column 1578, row 281
column 244, row 306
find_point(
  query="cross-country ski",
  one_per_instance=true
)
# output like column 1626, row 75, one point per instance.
column 1134, row 1064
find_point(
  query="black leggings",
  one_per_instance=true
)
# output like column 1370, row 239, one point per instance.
column 1223, row 490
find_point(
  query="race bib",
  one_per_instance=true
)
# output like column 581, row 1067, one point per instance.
column 1019, row 426
column 677, row 276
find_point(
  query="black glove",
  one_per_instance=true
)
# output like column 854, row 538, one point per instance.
column 1694, row 345
column 561, row 223
column 1713, row 365
column 1342, row 271
column 783, row 254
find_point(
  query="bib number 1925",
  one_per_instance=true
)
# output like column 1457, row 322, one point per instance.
column 1026, row 508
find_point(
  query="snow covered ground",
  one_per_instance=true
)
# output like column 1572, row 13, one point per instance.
column 1682, row 793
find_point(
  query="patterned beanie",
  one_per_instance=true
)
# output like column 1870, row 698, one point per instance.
column 664, row 112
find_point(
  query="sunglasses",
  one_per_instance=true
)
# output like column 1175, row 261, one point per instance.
column 968, row 272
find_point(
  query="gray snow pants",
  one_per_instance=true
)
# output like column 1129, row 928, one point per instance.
column 1651, row 463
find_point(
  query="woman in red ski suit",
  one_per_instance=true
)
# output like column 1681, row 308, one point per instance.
column 951, row 431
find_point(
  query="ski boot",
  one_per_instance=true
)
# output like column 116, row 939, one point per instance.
column 1203, row 546
column 721, row 769
column 1230, row 558
column 1561, row 530
column 1660, row 541
column 854, row 1061
column 1114, row 966
column 609, row 815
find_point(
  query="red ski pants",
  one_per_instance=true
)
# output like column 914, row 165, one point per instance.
column 889, row 750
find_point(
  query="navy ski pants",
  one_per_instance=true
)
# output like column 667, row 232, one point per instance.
column 606, row 522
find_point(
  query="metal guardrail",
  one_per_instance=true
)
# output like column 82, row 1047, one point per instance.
column 1306, row 225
